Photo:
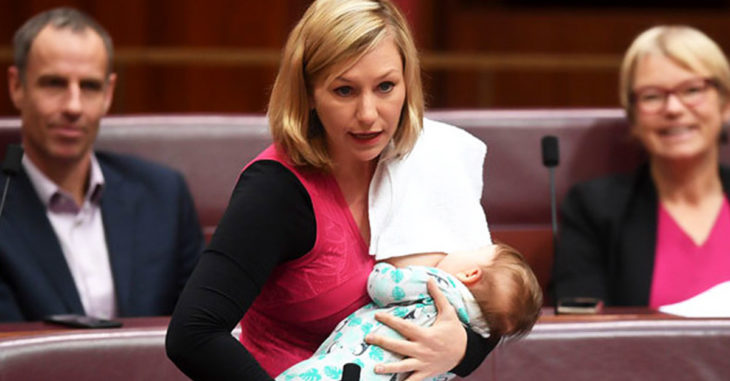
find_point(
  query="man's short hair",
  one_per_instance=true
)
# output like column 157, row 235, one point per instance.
column 60, row 18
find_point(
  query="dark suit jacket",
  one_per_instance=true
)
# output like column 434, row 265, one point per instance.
column 152, row 233
column 607, row 238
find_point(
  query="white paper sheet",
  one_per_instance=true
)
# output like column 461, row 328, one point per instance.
column 714, row 302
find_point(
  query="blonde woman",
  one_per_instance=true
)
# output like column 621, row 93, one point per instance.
column 658, row 235
column 290, row 258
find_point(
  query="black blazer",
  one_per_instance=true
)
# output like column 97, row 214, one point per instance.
column 607, row 238
column 152, row 232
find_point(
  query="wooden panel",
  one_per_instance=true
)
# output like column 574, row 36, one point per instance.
column 152, row 81
column 551, row 56
column 196, row 56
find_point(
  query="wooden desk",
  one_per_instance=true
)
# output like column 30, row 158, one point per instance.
column 41, row 351
column 619, row 344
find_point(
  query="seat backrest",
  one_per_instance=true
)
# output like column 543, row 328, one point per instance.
column 211, row 151
column 516, row 183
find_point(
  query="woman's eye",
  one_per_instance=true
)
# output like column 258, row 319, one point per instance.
column 650, row 97
column 343, row 91
column 386, row 87
column 692, row 90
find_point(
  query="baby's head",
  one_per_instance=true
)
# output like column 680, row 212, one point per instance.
column 503, row 285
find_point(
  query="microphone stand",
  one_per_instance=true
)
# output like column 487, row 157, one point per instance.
column 350, row 372
column 5, row 194
column 551, row 158
column 553, row 208
column 11, row 167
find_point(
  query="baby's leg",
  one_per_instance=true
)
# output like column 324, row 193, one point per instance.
column 318, row 368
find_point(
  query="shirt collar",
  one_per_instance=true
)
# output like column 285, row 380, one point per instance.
column 57, row 199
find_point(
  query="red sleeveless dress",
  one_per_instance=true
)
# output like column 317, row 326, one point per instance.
column 305, row 298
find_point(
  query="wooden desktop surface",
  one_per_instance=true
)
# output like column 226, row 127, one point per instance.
column 616, row 344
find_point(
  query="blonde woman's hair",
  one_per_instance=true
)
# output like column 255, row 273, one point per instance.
column 332, row 33
column 517, row 308
column 686, row 46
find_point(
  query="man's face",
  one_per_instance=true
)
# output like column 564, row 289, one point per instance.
column 65, row 93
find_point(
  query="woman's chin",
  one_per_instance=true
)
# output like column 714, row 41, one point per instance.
column 681, row 154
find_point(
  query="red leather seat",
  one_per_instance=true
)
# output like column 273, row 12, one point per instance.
column 211, row 150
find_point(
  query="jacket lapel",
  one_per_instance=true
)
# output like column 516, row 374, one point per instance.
column 118, row 207
column 25, row 209
column 725, row 178
column 638, row 249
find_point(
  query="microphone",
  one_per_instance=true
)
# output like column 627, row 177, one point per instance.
column 350, row 372
column 11, row 167
column 550, row 158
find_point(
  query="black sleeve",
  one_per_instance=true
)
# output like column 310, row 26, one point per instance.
column 580, row 265
column 477, row 349
column 268, row 203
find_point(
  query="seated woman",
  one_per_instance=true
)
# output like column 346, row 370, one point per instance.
column 658, row 235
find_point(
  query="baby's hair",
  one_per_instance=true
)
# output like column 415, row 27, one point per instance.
column 515, row 313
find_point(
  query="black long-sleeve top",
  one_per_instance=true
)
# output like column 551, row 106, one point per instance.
column 268, row 203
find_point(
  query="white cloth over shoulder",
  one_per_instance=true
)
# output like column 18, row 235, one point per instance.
column 429, row 200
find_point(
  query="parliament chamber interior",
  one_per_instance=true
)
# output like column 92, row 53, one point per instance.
column 193, row 83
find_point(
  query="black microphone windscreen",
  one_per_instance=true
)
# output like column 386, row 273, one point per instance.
column 350, row 372
column 13, row 156
column 550, row 152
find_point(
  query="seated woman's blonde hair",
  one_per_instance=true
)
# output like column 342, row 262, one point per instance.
column 332, row 33
column 686, row 46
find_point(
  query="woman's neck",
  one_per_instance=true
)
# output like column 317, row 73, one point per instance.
column 353, row 176
column 353, row 179
column 687, row 181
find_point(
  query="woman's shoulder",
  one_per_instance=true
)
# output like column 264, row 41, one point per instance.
column 609, row 194
column 611, row 183
column 272, row 180
column 446, row 136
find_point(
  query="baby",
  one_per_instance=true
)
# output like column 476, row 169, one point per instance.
column 492, row 289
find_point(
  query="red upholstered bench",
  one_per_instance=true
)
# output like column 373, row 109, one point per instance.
column 211, row 150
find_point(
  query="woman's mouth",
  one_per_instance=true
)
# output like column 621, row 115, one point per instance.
column 674, row 131
column 366, row 137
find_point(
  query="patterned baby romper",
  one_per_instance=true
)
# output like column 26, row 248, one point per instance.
column 398, row 291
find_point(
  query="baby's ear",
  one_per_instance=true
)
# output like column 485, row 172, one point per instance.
column 470, row 276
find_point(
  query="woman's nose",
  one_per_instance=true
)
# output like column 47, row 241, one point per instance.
column 367, row 108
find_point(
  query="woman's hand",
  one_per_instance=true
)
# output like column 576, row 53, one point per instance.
column 428, row 351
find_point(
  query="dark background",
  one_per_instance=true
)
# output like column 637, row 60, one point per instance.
column 220, row 56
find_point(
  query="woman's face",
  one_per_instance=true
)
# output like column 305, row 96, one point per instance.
column 360, row 107
column 679, row 114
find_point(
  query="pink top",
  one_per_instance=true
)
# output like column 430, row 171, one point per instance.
column 681, row 268
column 304, row 299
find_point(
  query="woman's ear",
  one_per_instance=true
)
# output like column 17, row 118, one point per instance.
column 470, row 276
